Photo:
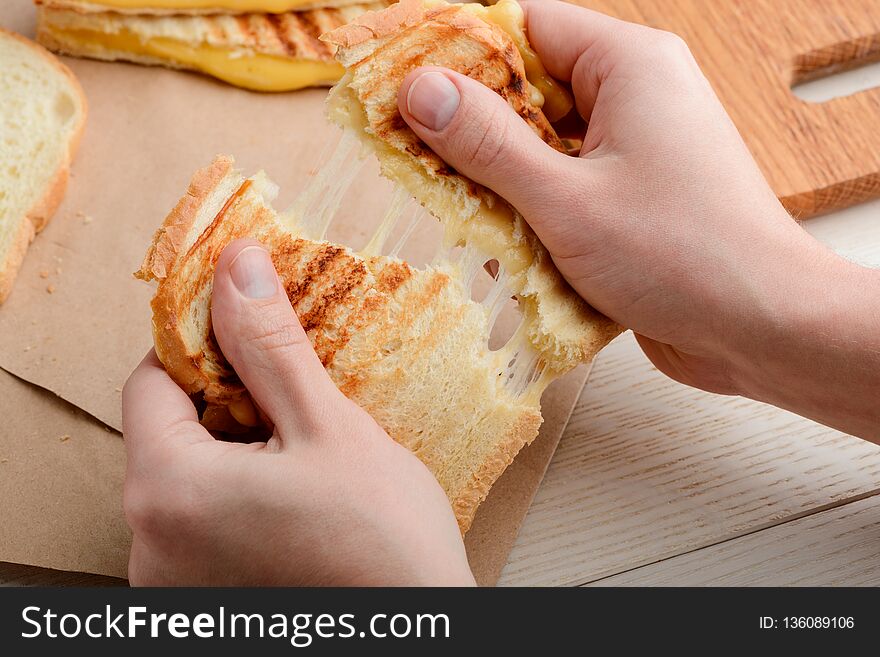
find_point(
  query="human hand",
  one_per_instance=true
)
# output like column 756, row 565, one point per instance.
column 330, row 498
column 664, row 223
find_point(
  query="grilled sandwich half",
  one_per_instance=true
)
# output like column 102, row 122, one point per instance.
column 194, row 6
column 257, row 51
column 409, row 345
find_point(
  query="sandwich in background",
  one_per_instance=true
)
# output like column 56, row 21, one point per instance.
column 160, row 7
column 409, row 345
column 42, row 116
column 256, row 51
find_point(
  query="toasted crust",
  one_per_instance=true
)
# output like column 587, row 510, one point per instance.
column 167, row 248
column 379, row 49
column 168, row 242
column 10, row 265
column 42, row 210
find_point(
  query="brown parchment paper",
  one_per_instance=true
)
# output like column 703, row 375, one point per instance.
column 77, row 322
column 60, row 484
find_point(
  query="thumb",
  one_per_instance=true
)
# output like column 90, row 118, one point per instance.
column 477, row 132
column 261, row 337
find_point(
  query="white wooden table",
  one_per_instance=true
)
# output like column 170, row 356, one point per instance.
column 658, row 484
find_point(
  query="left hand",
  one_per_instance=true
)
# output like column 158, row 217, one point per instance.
column 330, row 498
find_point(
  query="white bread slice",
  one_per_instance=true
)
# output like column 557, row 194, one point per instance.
column 42, row 115
column 408, row 345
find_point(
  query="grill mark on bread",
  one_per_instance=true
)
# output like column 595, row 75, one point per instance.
column 310, row 29
column 297, row 289
column 347, row 277
column 280, row 29
column 392, row 276
column 244, row 24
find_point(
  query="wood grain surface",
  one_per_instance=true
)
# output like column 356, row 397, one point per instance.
column 817, row 157
column 837, row 547
column 649, row 468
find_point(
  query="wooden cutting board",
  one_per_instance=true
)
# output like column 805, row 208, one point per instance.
column 817, row 157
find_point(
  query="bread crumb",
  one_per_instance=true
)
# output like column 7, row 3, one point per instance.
column 44, row 273
column 4, row 460
column 87, row 219
column 50, row 288
column 57, row 270
column 65, row 438
column 28, row 348
column 118, row 389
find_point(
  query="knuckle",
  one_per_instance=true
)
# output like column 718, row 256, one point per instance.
column 161, row 510
column 139, row 508
column 672, row 45
column 484, row 140
column 274, row 332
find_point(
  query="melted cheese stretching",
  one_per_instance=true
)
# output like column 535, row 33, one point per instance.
column 258, row 72
column 547, row 93
column 269, row 6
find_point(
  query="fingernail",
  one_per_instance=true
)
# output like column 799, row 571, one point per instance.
column 253, row 273
column 432, row 100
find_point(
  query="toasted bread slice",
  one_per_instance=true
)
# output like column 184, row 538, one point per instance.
column 378, row 49
column 179, row 7
column 43, row 112
column 261, row 52
column 408, row 345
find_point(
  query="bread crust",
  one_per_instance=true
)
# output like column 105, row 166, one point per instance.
column 36, row 218
column 466, row 503
column 163, row 254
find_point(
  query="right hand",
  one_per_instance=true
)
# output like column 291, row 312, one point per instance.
column 664, row 223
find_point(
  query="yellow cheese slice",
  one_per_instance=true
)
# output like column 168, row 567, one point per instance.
column 270, row 6
column 258, row 72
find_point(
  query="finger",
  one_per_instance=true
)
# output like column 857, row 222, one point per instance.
column 580, row 46
column 260, row 335
column 156, row 412
column 475, row 131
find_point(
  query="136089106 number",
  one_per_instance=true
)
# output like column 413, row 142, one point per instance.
column 818, row 622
